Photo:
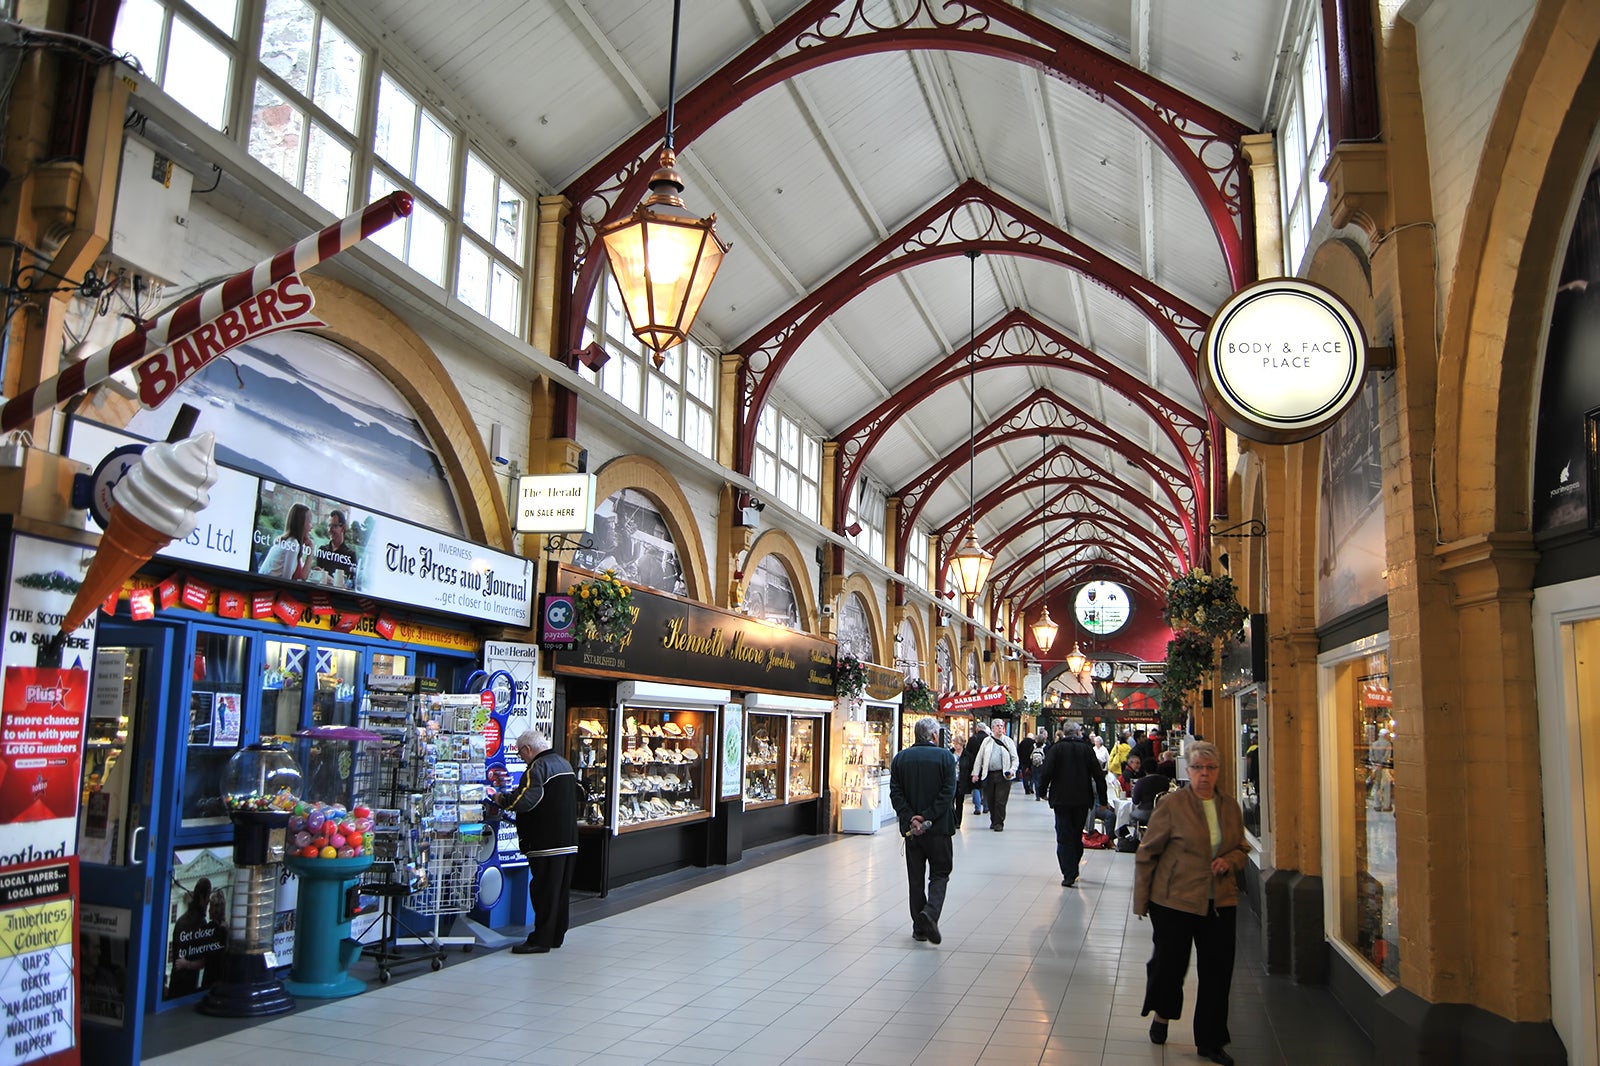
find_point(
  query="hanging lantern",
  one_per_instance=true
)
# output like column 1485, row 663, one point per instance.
column 1044, row 630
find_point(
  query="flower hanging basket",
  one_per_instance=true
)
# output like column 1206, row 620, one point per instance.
column 1201, row 603
column 917, row 697
column 849, row 677
column 1189, row 659
column 604, row 608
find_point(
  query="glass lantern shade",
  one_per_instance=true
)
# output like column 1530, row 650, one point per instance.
column 1044, row 630
column 663, row 259
column 972, row 565
column 1077, row 660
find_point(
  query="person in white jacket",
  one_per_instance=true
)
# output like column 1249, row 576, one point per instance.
column 996, row 768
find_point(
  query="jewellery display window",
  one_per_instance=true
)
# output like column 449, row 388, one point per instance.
column 803, row 761
column 663, row 767
column 862, row 767
column 879, row 730
column 766, row 738
column 589, row 751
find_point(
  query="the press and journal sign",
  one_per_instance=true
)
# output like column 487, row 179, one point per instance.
column 1282, row 360
column 555, row 503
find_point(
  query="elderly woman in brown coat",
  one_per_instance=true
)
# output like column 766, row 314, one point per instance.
column 1184, row 878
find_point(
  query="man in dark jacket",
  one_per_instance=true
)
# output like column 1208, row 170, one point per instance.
column 969, row 755
column 545, row 803
column 1025, row 762
column 1072, row 780
column 922, row 788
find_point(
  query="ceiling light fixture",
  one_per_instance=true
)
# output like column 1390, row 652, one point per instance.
column 1044, row 630
column 972, row 563
column 661, row 255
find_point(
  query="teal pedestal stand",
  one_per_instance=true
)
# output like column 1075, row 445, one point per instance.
column 323, row 949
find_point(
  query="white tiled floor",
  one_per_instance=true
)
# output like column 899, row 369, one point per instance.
column 808, row 959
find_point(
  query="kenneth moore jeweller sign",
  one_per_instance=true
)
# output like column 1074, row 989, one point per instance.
column 1282, row 360
column 683, row 641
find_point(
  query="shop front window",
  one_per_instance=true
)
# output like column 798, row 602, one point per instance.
column 1250, row 790
column 283, row 687
column 215, row 726
column 1372, row 903
column 334, row 701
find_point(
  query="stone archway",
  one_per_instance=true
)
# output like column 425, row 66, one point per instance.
column 651, row 478
column 858, row 584
column 775, row 542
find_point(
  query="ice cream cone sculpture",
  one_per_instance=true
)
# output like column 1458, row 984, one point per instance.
column 155, row 503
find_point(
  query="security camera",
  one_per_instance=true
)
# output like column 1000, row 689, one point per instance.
column 827, row 610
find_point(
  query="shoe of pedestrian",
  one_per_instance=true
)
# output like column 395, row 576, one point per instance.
column 529, row 949
column 930, row 926
column 919, row 936
column 1068, row 882
column 1215, row 1054
column 1158, row 1032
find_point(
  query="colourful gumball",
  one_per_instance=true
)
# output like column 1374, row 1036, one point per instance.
column 330, row 853
column 336, row 841
column 319, row 842
column 362, row 812
column 308, row 852
column 347, row 853
column 297, row 822
column 301, row 839
column 315, row 821
column 353, row 839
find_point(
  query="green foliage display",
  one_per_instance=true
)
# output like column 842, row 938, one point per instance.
column 604, row 608
column 917, row 697
column 1199, row 602
column 849, row 677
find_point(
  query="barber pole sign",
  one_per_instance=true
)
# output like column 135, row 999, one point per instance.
column 284, row 306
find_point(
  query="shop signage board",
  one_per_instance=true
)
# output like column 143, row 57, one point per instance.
column 38, row 949
column 972, row 698
column 378, row 556
column 555, row 503
column 1282, row 360
column 882, row 682
column 682, row 641
column 732, row 752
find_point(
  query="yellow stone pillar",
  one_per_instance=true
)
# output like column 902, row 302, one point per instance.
column 550, row 280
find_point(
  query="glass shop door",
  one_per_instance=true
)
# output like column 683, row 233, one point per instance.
column 121, row 767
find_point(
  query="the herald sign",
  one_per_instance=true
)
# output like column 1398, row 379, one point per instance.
column 286, row 305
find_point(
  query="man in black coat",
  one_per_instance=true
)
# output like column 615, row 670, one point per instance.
column 1025, row 762
column 922, row 788
column 1072, row 780
column 969, row 755
column 545, row 803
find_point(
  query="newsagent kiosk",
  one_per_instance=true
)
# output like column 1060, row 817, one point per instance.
column 697, row 734
column 204, row 650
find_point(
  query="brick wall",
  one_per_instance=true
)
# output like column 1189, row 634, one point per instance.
column 1464, row 49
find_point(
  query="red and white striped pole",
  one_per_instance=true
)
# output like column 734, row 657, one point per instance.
column 202, row 308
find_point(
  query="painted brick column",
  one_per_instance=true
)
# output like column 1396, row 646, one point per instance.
column 1491, row 579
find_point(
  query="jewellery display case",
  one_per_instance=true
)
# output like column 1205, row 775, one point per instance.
column 766, row 741
column 858, row 801
column 589, row 751
column 663, row 767
column 803, row 761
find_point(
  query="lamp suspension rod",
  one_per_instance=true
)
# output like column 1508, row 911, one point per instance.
column 1044, row 532
column 972, row 392
column 672, row 74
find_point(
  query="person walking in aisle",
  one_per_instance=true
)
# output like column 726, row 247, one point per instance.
column 969, row 755
column 1184, row 878
column 1025, row 748
column 1072, row 780
column 545, row 803
column 996, row 768
column 922, row 789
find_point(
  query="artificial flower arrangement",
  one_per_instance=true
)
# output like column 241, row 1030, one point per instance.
column 849, row 677
column 916, row 697
column 604, row 608
column 1201, row 603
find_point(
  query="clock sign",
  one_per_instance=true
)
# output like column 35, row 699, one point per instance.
column 1102, row 607
column 1102, row 670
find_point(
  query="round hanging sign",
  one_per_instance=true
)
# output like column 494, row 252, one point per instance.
column 1282, row 360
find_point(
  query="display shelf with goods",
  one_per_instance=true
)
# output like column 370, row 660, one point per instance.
column 766, row 740
column 460, row 831
column 664, row 774
column 803, row 762
column 402, row 773
column 589, row 751
column 214, row 733
column 863, row 767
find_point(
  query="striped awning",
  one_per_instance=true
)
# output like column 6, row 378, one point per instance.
column 972, row 698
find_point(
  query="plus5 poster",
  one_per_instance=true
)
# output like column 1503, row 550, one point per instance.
column 41, row 738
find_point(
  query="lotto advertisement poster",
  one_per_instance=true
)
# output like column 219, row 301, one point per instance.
column 41, row 740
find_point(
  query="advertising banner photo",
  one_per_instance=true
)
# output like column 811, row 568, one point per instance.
column 41, row 743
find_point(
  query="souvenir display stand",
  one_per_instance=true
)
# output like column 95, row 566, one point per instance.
column 428, row 824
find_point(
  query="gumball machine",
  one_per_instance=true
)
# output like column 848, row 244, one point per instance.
column 330, row 847
column 260, row 788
